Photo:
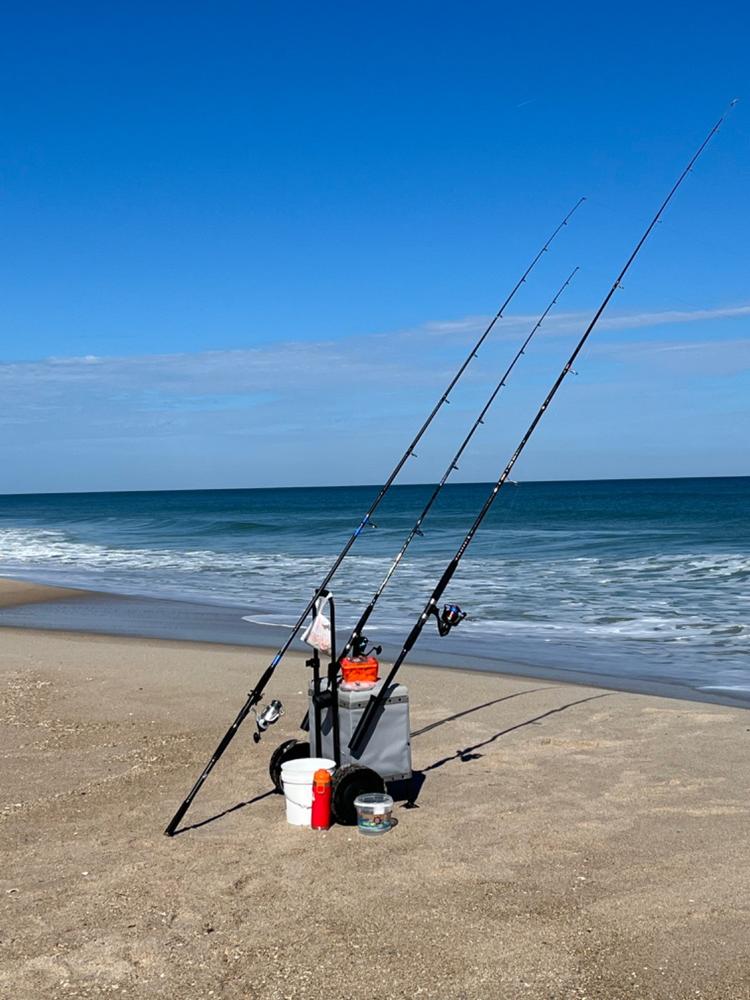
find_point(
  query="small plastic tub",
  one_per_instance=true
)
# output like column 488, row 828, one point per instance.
column 374, row 813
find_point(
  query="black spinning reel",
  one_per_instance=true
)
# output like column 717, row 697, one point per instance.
column 359, row 647
column 448, row 618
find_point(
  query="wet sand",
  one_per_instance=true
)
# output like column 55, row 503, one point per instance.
column 160, row 617
column 567, row 842
column 14, row 593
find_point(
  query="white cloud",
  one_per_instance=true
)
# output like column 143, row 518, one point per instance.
column 567, row 322
column 703, row 357
column 372, row 370
column 247, row 415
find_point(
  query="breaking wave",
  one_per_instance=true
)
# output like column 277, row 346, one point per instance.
column 649, row 575
column 666, row 598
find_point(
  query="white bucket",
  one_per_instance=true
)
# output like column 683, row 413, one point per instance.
column 297, row 782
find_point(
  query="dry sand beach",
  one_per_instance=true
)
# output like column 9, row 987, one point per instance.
column 567, row 842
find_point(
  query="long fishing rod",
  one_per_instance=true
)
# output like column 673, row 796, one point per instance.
column 256, row 694
column 451, row 614
column 357, row 640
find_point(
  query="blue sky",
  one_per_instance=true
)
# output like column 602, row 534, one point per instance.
column 245, row 245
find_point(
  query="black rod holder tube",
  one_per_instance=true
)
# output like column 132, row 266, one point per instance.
column 333, row 688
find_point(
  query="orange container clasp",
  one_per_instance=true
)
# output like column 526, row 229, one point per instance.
column 360, row 668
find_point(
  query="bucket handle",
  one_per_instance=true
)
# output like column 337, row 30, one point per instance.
column 300, row 805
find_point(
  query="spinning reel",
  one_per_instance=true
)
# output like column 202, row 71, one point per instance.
column 267, row 717
column 359, row 644
column 448, row 618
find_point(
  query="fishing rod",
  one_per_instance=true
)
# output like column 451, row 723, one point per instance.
column 451, row 614
column 357, row 641
column 256, row 693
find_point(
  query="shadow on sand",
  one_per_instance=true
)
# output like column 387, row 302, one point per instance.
column 408, row 791
column 411, row 793
column 476, row 708
column 225, row 812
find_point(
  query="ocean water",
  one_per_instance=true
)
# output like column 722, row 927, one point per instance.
column 618, row 579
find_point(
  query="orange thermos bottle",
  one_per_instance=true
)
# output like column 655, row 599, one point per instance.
column 321, row 803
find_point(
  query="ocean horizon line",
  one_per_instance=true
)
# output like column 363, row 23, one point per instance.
column 363, row 486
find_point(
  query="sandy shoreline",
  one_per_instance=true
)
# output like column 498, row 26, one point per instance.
column 42, row 608
column 17, row 592
column 568, row 842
